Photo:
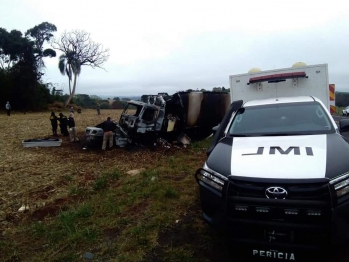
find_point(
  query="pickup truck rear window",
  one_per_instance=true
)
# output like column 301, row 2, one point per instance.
column 281, row 119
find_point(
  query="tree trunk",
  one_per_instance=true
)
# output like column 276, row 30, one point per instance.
column 70, row 96
column 69, row 76
column 72, row 92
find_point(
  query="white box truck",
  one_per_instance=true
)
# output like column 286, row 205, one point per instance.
column 299, row 80
column 276, row 177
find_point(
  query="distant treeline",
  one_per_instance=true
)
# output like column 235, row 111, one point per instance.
column 93, row 101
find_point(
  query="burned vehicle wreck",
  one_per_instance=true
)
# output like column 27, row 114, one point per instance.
column 182, row 118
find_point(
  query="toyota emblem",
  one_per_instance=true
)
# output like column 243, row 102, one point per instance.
column 275, row 192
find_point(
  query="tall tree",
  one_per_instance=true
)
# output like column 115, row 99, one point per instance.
column 12, row 48
column 69, row 65
column 78, row 50
column 40, row 34
column 20, row 72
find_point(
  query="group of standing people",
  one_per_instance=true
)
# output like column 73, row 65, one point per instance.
column 64, row 124
column 108, row 127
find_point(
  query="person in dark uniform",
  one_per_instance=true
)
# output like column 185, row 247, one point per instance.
column 108, row 127
column 54, row 123
column 63, row 124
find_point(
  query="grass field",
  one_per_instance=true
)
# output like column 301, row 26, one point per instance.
column 84, row 201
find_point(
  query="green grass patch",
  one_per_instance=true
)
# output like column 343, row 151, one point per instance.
column 115, row 174
column 180, row 254
column 123, row 215
column 68, row 177
column 169, row 192
column 67, row 257
column 101, row 183
column 76, row 191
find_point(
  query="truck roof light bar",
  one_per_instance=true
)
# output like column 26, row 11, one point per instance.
column 277, row 77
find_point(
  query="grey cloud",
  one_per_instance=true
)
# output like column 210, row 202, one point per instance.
column 207, row 60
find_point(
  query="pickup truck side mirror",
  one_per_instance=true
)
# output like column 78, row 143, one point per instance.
column 343, row 125
column 214, row 129
column 236, row 105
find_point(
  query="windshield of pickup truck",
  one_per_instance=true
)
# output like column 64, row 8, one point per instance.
column 281, row 119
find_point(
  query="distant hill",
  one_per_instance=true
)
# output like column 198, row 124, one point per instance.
column 131, row 97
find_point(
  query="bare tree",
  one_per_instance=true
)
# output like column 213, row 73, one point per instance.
column 78, row 49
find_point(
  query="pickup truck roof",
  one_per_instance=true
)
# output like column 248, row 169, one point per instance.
column 281, row 100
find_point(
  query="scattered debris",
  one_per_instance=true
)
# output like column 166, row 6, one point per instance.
column 163, row 143
column 42, row 142
column 23, row 208
column 88, row 255
column 135, row 171
column 185, row 140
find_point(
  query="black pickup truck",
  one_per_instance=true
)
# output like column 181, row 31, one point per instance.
column 276, row 178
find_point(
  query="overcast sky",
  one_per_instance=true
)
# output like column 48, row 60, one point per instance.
column 168, row 46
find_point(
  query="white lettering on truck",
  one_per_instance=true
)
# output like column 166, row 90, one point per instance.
column 296, row 150
column 274, row 254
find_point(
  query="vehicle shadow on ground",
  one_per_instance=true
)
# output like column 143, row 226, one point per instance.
column 191, row 239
